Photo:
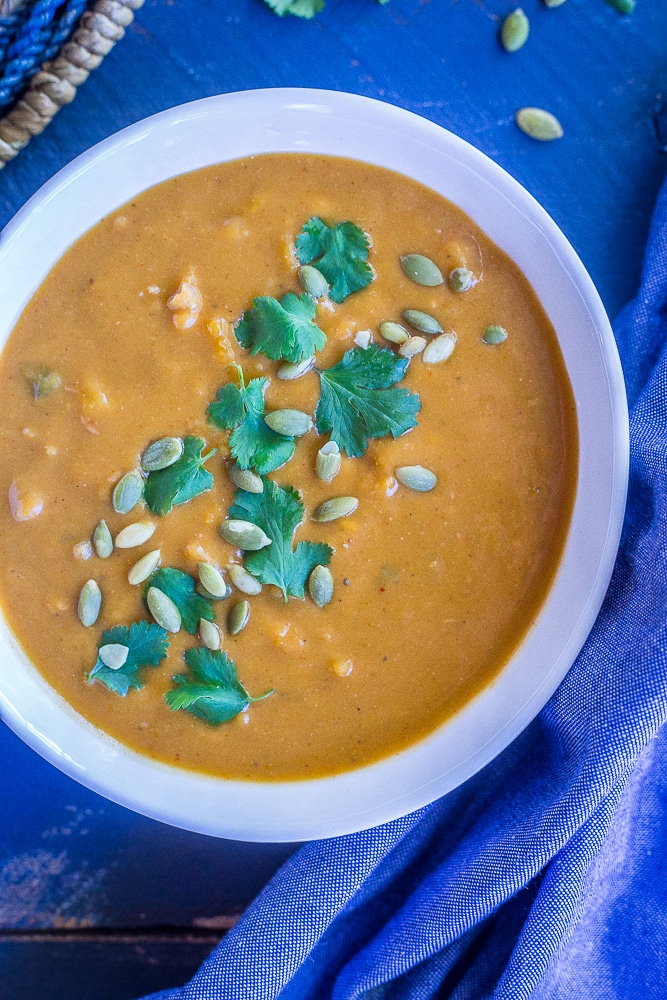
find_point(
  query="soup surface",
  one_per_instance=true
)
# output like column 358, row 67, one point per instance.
column 432, row 590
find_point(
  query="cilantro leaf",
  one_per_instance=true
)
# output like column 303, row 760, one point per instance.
column 301, row 8
column 147, row 645
column 278, row 511
column 212, row 691
column 340, row 253
column 282, row 329
column 252, row 442
column 356, row 402
column 180, row 587
column 182, row 481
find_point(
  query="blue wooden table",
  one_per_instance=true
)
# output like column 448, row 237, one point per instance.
column 96, row 901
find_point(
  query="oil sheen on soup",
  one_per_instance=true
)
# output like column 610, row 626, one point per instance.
column 360, row 594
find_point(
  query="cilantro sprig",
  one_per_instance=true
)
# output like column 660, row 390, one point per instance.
column 180, row 587
column 252, row 442
column 147, row 646
column 212, row 690
column 278, row 511
column 182, row 481
column 357, row 402
column 281, row 329
column 340, row 252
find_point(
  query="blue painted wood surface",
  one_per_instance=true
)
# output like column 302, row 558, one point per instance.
column 69, row 859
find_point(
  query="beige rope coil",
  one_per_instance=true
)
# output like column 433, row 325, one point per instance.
column 56, row 82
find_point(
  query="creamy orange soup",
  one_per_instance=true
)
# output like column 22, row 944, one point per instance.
column 432, row 591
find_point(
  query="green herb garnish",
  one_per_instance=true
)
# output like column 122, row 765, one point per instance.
column 278, row 511
column 212, row 690
column 252, row 442
column 182, row 481
column 340, row 252
column 147, row 645
column 357, row 403
column 180, row 587
column 300, row 8
column 282, row 329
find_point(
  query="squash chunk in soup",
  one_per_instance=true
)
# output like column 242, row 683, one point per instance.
column 366, row 625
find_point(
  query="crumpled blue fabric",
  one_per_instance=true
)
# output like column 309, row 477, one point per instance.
column 545, row 875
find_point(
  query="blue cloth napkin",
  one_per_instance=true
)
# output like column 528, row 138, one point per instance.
column 545, row 875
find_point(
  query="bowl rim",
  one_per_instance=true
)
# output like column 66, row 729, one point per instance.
column 303, row 119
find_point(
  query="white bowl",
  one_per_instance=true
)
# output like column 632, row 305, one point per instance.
column 236, row 125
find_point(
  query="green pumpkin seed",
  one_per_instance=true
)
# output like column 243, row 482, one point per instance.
column 102, row 540
column 393, row 332
column 161, row 454
column 421, row 321
column 134, row 534
column 163, row 610
column 622, row 6
column 128, row 492
column 440, row 348
column 209, row 633
column 203, row 592
column 244, row 535
column 553, row 3
column 143, row 568
column 494, row 335
column 336, row 507
column 539, row 124
column 321, row 586
column 289, row 423
column 43, row 382
column 239, row 615
column 313, row 281
column 113, row 655
column 328, row 461
column 515, row 30
column 90, row 602
column 288, row 372
column 245, row 479
column 460, row 279
column 417, row 478
column 421, row 270
column 212, row 580
column 415, row 345
column 243, row 580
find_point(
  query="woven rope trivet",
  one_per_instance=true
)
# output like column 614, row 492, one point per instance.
column 56, row 82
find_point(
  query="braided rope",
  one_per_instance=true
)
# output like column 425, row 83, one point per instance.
column 55, row 83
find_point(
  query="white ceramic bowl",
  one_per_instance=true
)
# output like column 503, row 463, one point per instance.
column 235, row 125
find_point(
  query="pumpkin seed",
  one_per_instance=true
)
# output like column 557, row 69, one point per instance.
column 321, row 586
column 113, row 655
column 416, row 477
column 209, row 633
column 421, row 321
column 494, row 335
column 203, row 592
column 515, row 30
column 90, row 602
column 622, row 6
column 288, row 371
column 460, row 279
column 245, row 479
column 128, row 492
column 336, row 507
column 328, row 461
column 161, row 454
column 243, row 580
column 393, row 332
column 539, row 124
column 102, row 540
column 244, row 535
column 313, row 281
column 143, row 568
column 289, row 423
column 43, row 382
column 553, row 3
column 239, row 615
column 440, row 348
column 415, row 345
column 134, row 534
column 212, row 580
column 421, row 270
column 163, row 610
